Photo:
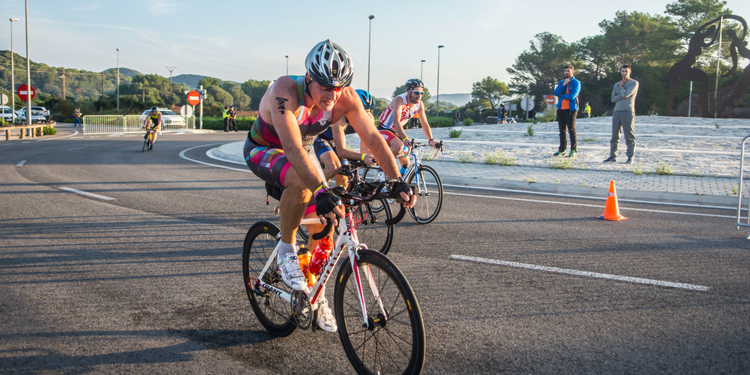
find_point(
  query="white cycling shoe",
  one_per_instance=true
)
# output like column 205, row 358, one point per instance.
column 326, row 321
column 291, row 272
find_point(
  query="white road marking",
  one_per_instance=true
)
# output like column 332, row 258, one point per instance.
column 594, row 198
column 20, row 163
column 26, row 142
column 637, row 280
column 77, row 148
column 55, row 138
column 210, row 154
column 640, row 149
column 589, row 205
column 182, row 155
column 86, row 193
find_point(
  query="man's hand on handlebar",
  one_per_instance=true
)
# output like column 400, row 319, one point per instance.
column 369, row 160
column 435, row 144
column 328, row 207
column 407, row 143
column 406, row 194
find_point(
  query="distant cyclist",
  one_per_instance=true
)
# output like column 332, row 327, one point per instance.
column 155, row 120
column 330, row 146
column 401, row 109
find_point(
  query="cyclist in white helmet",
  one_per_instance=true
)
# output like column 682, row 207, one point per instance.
column 279, row 150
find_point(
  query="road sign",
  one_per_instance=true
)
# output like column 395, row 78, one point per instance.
column 549, row 99
column 447, row 111
column 23, row 92
column 5, row 99
column 186, row 110
column 527, row 104
column 480, row 108
column 194, row 97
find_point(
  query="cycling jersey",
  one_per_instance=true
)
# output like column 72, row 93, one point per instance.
column 408, row 110
column 265, row 135
column 154, row 118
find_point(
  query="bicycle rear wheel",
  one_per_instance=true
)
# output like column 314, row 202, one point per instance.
column 273, row 312
column 371, row 227
column 429, row 194
column 394, row 340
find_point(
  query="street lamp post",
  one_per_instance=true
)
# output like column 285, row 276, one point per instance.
column 437, row 107
column 421, row 70
column 28, row 69
column 369, row 49
column 287, row 64
column 118, row 79
column 12, row 74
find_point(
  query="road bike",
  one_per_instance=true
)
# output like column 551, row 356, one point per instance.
column 429, row 187
column 148, row 139
column 371, row 218
column 377, row 314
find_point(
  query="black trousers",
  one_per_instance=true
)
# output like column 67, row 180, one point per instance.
column 232, row 122
column 226, row 124
column 566, row 120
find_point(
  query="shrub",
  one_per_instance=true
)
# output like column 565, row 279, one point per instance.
column 548, row 116
column 664, row 169
column 217, row 123
column 529, row 131
column 499, row 157
column 455, row 133
column 49, row 130
column 638, row 169
column 468, row 122
column 467, row 157
column 439, row 122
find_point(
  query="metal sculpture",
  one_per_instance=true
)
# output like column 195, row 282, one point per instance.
column 684, row 68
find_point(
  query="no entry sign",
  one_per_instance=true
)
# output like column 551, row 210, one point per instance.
column 23, row 92
column 194, row 97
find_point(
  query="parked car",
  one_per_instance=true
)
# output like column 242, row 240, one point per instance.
column 170, row 118
column 9, row 116
column 37, row 117
column 41, row 111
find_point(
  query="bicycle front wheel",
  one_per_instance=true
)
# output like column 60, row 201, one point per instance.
column 429, row 194
column 374, row 175
column 369, row 220
column 272, row 311
column 145, row 145
column 393, row 341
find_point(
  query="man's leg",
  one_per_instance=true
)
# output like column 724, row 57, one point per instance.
column 614, row 142
column 332, row 164
column 572, row 130
column 226, row 125
column 561, row 124
column 628, row 129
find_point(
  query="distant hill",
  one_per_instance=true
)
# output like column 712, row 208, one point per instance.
column 123, row 71
column 189, row 79
column 457, row 99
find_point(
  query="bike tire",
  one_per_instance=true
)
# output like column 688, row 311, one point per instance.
column 371, row 227
column 145, row 145
column 429, row 195
column 272, row 311
column 394, row 345
column 370, row 175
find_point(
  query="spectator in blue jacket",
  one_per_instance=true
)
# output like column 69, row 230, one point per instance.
column 567, row 108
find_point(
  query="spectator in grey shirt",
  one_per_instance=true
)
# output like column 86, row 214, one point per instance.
column 623, row 118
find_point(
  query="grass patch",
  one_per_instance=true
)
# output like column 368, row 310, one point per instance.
column 696, row 174
column 455, row 133
column 562, row 162
column 529, row 131
column 590, row 139
column 664, row 169
column 638, row 169
column 499, row 157
column 467, row 157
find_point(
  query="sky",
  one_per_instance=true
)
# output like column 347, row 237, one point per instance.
column 249, row 39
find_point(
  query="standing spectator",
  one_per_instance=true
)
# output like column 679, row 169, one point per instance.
column 414, row 120
column 232, row 122
column 457, row 117
column 567, row 109
column 77, row 118
column 501, row 114
column 623, row 118
column 587, row 110
column 225, row 114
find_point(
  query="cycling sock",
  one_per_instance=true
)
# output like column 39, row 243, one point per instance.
column 403, row 170
column 285, row 249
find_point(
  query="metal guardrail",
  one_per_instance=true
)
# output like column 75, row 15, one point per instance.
column 112, row 124
column 739, row 191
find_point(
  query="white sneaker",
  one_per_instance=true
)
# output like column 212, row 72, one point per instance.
column 291, row 272
column 326, row 321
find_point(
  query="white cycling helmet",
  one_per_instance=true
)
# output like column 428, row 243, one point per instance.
column 329, row 65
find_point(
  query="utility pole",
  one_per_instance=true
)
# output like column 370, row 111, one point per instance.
column 143, row 99
column 63, row 84
column 102, row 74
column 171, row 69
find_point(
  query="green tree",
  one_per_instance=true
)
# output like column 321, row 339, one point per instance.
column 691, row 14
column 209, row 81
column 537, row 70
column 491, row 90
column 219, row 95
column 640, row 38
column 255, row 90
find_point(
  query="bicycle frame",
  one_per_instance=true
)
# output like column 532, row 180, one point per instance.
column 347, row 238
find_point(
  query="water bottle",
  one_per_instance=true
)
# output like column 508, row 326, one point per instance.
column 320, row 255
column 304, row 262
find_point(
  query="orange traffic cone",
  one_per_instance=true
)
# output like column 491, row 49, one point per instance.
column 611, row 209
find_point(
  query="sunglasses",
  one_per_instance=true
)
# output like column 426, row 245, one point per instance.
column 417, row 93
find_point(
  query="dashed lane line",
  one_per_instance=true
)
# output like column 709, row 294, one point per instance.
column 597, row 275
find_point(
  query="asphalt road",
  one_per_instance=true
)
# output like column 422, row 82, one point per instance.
column 151, row 281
